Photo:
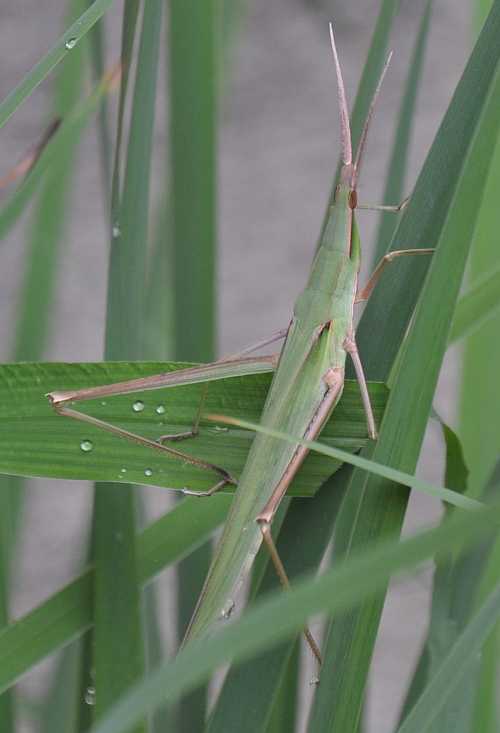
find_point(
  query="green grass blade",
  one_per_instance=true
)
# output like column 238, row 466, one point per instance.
column 68, row 614
column 67, row 135
column 391, row 474
column 97, row 42
column 118, row 648
column 479, row 423
column 398, row 164
column 475, row 308
column 374, row 509
column 456, row 664
column 126, row 287
column 35, row 304
column 454, row 596
column 284, row 713
column 64, row 45
column 34, row 441
column 284, row 613
column 193, row 98
column 129, row 28
column 194, row 44
column 63, row 702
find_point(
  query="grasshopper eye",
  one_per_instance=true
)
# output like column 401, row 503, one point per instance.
column 353, row 199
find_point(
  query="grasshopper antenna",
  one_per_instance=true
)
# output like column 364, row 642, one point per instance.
column 345, row 127
column 366, row 126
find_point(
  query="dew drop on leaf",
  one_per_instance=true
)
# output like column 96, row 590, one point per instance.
column 86, row 446
column 89, row 696
column 138, row 406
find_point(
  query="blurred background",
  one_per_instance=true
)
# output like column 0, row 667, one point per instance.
column 278, row 142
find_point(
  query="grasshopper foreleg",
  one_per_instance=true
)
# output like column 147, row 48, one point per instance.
column 395, row 209
column 365, row 293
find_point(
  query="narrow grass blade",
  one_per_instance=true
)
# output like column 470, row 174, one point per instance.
column 68, row 614
column 284, row 714
column 442, row 211
column 391, row 474
column 479, row 408
column 97, row 42
column 129, row 32
column 398, row 164
column 118, row 648
column 284, row 613
column 194, row 44
column 37, row 288
column 454, row 667
column 455, row 592
column 67, row 135
column 193, row 99
column 64, row 45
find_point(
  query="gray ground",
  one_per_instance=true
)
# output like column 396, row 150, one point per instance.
column 279, row 141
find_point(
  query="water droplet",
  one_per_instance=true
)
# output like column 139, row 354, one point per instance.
column 148, row 472
column 138, row 406
column 228, row 609
column 160, row 409
column 123, row 470
column 116, row 231
column 314, row 681
column 70, row 43
column 90, row 696
column 220, row 429
column 86, row 446
column 103, row 403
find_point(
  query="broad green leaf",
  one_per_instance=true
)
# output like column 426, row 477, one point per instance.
column 34, row 441
column 278, row 617
column 64, row 45
column 68, row 613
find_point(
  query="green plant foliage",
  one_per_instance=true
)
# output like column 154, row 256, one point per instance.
column 373, row 507
column 277, row 617
column 68, row 614
column 64, row 45
column 37, row 442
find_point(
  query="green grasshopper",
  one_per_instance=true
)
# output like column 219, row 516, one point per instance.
column 307, row 385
